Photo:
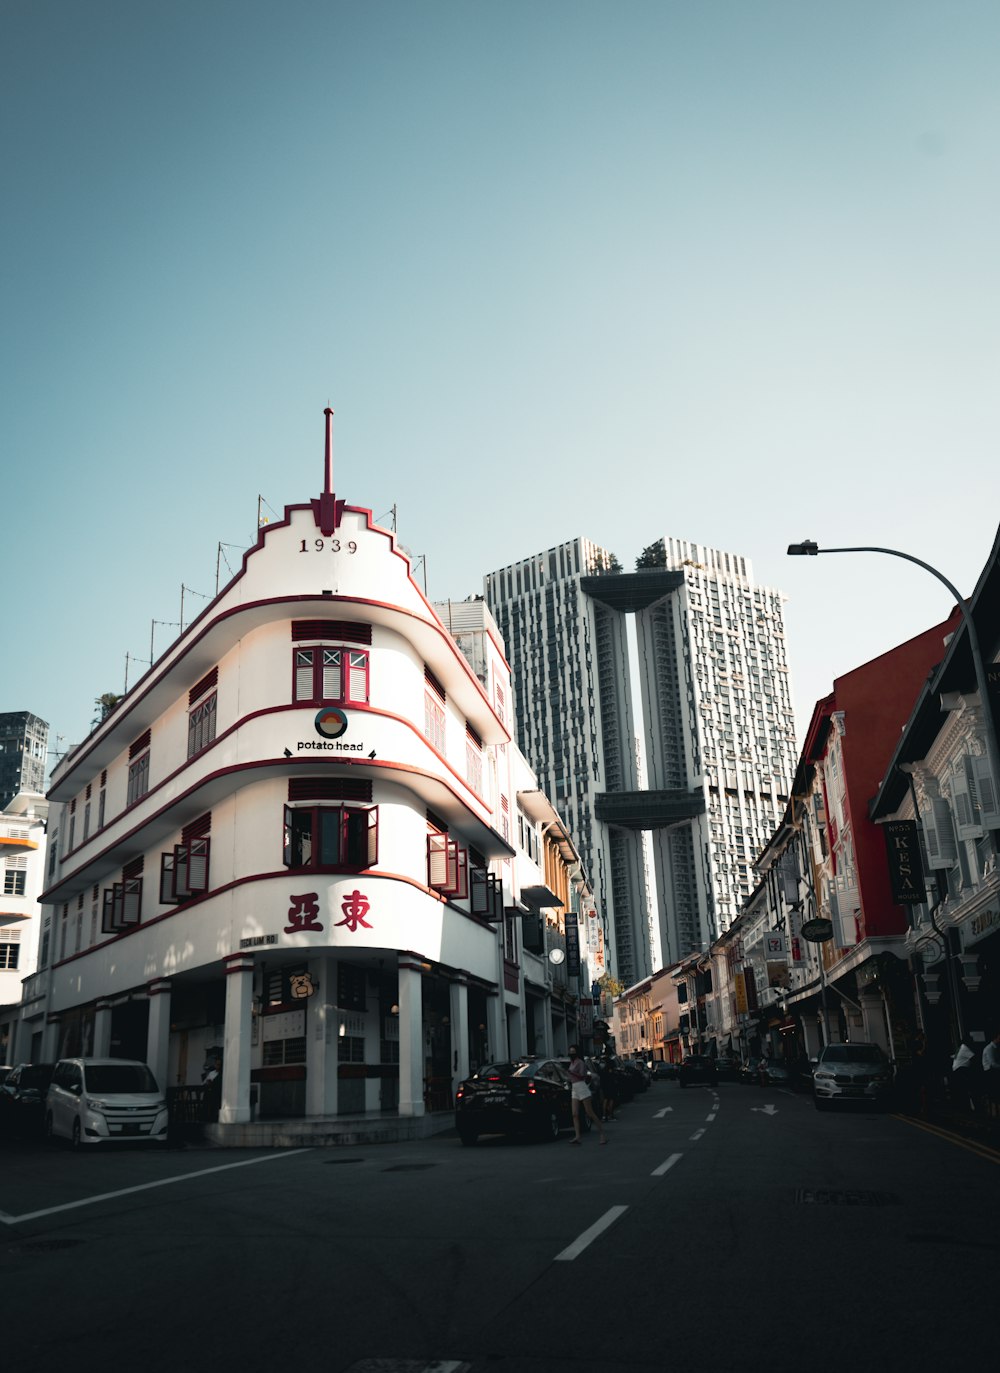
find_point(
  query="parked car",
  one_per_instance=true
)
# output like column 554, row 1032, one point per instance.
column 529, row 1096
column 845, row 1073
column 774, row 1072
column 697, row 1068
column 97, row 1100
column 5, row 1071
column 634, row 1077
column 664, row 1072
column 727, row 1069
column 750, row 1070
column 22, row 1099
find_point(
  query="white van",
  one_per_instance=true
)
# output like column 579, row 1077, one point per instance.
column 95, row 1100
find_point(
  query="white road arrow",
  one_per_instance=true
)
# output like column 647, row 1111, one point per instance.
column 768, row 1110
column 660, row 1114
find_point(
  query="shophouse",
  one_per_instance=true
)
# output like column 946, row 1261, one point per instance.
column 306, row 849
column 23, row 845
column 939, row 811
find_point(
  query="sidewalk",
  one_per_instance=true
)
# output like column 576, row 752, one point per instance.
column 975, row 1127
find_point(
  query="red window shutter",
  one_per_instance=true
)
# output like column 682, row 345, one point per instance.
column 131, row 901
column 167, row 897
column 373, row 837
column 108, row 925
column 329, row 789
column 304, row 659
column 140, row 745
column 357, row 678
column 197, row 829
column 346, row 630
column 462, row 890
column 332, row 674
column 433, row 683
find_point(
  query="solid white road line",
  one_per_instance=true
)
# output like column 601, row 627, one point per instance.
column 574, row 1250
column 658, row 1172
column 145, row 1186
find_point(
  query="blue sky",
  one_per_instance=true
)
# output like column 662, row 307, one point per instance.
column 726, row 271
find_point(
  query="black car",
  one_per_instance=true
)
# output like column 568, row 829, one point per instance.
column 697, row 1068
column 529, row 1096
column 22, row 1099
column 664, row 1071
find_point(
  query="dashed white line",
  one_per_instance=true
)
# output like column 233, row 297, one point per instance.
column 697, row 1134
column 664, row 1167
column 712, row 1116
column 575, row 1249
column 145, row 1186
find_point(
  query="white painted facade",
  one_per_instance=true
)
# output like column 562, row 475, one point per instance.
column 325, row 954
column 22, row 867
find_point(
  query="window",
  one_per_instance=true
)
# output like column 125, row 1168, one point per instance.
column 201, row 725
column 123, row 900
column 331, row 837
column 184, row 871
column 434, row 722
column 138, row 781
column 10, row 946
column 447, row 866
column 13, row 882
column 138, row 769
column 331, row 676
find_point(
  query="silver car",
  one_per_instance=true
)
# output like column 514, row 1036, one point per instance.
column 851, row 1072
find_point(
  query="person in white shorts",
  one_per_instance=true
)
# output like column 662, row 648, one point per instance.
column 581, row 1095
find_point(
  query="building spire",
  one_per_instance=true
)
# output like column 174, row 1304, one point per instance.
column 326, row 509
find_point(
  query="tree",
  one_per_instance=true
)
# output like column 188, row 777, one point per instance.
column 655, row 555
column 105, row 705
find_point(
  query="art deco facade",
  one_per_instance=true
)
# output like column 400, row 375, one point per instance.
column 298, row 840
column 714, row 717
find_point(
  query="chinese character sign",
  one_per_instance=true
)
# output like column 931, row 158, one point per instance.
column 303, row 914
column 355, row 908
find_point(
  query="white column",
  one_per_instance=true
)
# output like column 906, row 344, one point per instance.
column 459, row 1015
column 496, row 1021
column 411, row 1038
column 235, row 1107
column 321, row 1039
column 102, row 1030
column 158, row 1033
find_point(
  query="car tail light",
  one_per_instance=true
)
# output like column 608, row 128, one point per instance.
column 532, row 1089
column 460, row 1094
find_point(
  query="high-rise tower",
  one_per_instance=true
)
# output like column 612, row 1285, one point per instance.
column 714, row 714
column 24, row 739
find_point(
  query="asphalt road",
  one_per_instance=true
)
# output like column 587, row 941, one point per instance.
column 720, row 1229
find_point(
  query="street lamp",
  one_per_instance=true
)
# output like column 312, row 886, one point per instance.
column 810, row 549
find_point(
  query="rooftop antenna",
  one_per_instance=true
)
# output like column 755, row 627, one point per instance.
column 327, row 509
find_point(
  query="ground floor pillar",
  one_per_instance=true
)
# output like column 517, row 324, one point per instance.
column 411, row 1038
column 158, row 1031
column 235, row 1108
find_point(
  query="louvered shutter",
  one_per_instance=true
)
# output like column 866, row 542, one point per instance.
column 963, row 799
column 452, row 856
column 357, row 686
column 373, row 837
column 108, row 913
column 182, row 888
column 479, row 891
column 303, row 674
column 198, row 864
column 131, row 901
column 331, row 674
column 437, row 860
column 462, row 891
column 939, row 834
column 986, row 792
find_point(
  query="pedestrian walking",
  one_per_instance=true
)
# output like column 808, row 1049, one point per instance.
column 609, row 1086
column 582, row 1100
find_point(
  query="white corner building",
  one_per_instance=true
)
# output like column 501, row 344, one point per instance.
column 293, row 844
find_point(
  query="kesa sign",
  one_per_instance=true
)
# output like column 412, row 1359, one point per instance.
column 330, row 724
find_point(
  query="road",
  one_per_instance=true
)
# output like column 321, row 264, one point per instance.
column 720, row 1229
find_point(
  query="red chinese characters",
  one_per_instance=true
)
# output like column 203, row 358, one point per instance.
column 355, row 908
column 303, row 914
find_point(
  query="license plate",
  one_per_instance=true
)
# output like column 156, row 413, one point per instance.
column 130, row 1128
column 492, row 1100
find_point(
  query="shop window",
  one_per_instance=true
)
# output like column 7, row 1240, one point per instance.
column 330, row 837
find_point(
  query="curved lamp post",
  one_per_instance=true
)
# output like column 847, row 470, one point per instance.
column 809, row 549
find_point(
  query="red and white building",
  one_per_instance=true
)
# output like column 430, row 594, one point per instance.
column 293, row 842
